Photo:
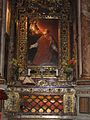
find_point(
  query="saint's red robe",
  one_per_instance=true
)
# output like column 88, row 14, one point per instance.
column 43, row 55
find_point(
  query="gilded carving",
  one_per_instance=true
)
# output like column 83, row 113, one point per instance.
column 22, row 42
column 12, row 103
column 69, row 102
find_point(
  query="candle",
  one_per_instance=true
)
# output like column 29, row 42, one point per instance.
column 56, row 72
column 29, row 70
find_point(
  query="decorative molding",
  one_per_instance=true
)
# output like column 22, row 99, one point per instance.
column 44, row 117
column 42, row 90
column 83, row 82
column 83, row 90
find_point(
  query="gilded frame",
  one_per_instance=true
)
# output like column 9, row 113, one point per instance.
column 63, row 41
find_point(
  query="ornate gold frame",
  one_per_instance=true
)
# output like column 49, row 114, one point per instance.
column 64, row 18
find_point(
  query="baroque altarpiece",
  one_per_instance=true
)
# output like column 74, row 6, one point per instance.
column 42, row 60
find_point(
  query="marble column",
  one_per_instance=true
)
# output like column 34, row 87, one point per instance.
column 79, row 39
column 3, row 30
column 2, row 54
column 85, row 30
column 11, row 51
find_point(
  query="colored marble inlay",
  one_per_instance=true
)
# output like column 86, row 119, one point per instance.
column 42, row 104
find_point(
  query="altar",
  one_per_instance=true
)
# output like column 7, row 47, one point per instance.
column 42, row 67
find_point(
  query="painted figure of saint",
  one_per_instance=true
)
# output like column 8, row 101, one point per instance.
column 46, row 48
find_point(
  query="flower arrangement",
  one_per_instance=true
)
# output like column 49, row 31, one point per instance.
column 69, row 67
